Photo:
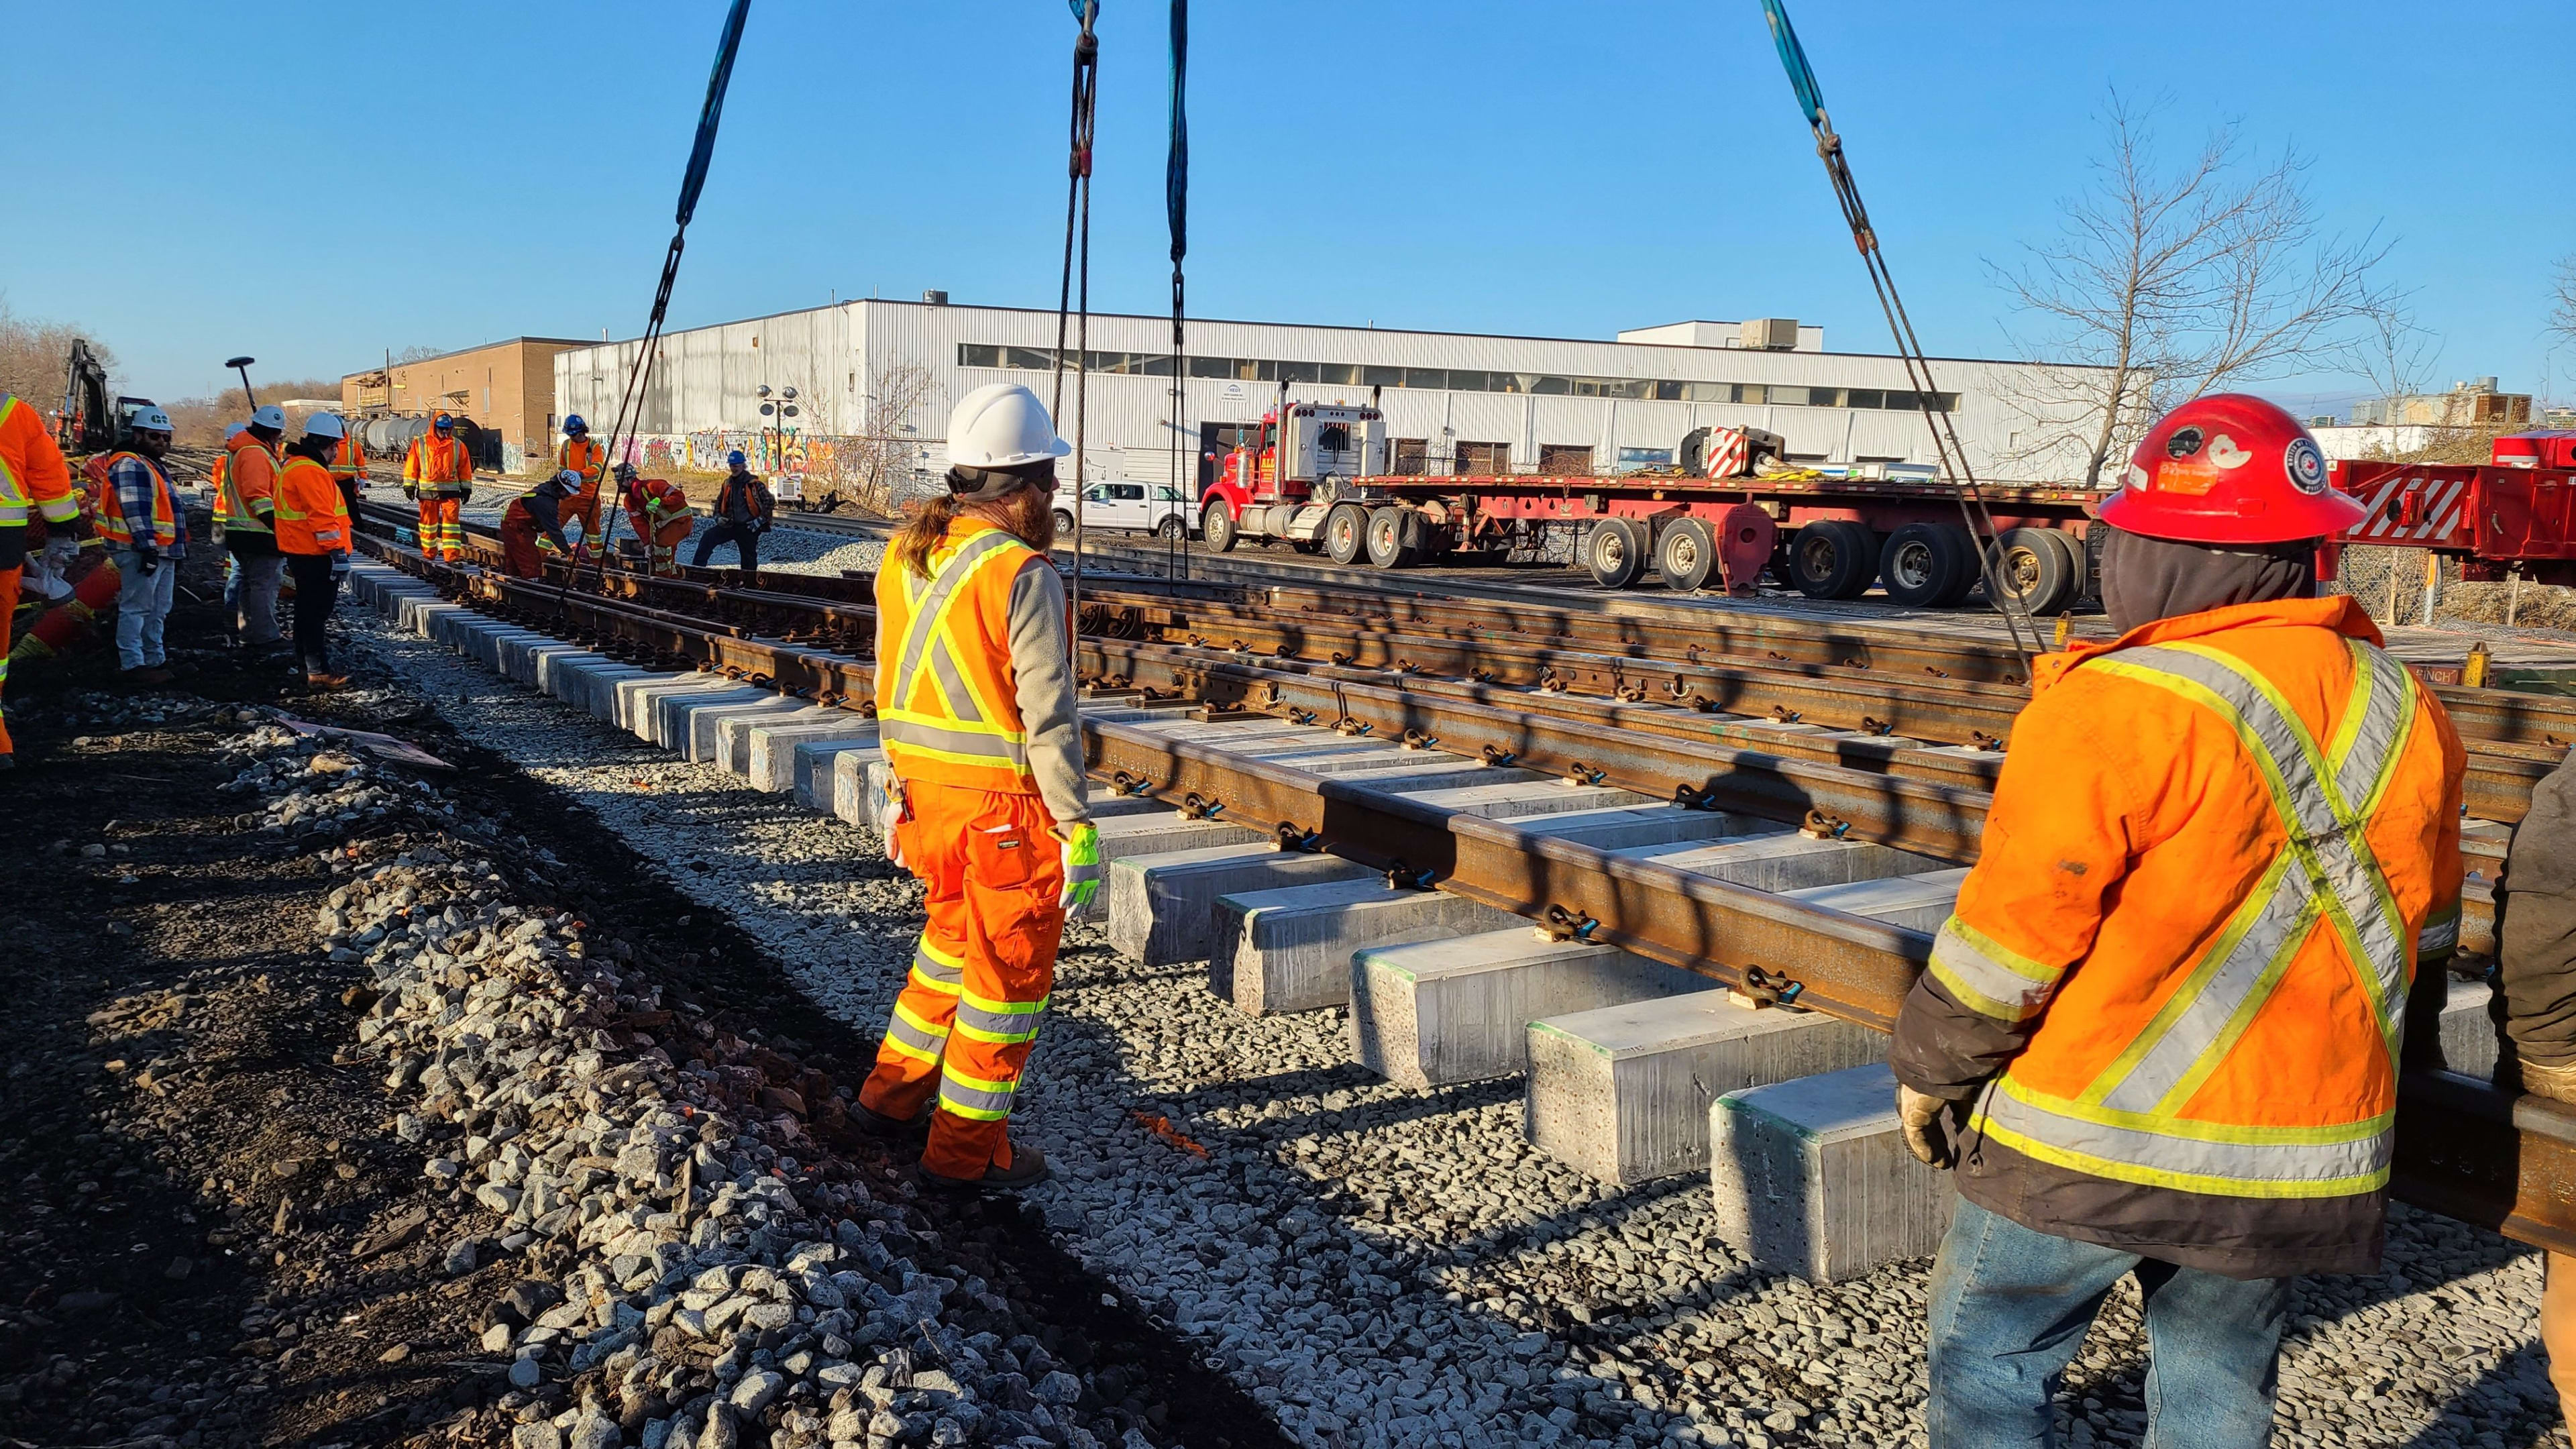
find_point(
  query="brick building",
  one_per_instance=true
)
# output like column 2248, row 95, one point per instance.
column 507, row 387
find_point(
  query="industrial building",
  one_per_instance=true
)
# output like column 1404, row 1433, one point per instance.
column 507, row 388
column 875, row 379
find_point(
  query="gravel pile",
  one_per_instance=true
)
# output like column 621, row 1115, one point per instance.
column 1382, row 1266
column 700, row 1270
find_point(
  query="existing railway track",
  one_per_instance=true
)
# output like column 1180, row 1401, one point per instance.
column 2465, row 1148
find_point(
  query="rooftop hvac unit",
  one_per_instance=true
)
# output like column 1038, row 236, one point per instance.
column 935, row 297
column 1772, row 334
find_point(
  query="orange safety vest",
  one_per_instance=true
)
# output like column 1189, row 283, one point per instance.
column 2219, row 851
column 948, row 710
column 584, row 457
column 439, row 466
column 33, row 475
column 348, row 459
column 112, row 522
column 238, row 489
column 312, row 517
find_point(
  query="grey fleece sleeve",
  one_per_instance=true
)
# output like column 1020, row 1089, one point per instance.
column 1042, row 665
column 2536, row 924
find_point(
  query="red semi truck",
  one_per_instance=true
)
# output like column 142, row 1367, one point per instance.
column 1318, row 482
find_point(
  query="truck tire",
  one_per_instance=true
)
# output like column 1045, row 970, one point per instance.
column 1345, row 533
column 1174, row 528
column 1968, row 570
column 1389, row 530
column 1927, row 565
column 1833, row 558
column 1687, row 555
column 1064, row 525
column 1216, row 527
column 1615, row 552
column 2039, row 568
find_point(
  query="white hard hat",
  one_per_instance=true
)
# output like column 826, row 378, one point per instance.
column 269, row 416
column 325, row 425
column 151, row 420
column 1002, row 425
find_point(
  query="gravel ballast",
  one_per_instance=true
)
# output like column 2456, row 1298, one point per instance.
column 1376, row 1265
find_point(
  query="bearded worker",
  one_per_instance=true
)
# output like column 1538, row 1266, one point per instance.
column 975, row 711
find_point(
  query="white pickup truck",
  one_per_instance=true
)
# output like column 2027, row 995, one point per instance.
column 1157, row 508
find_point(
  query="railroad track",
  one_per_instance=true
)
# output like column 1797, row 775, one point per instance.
column 1268, row 745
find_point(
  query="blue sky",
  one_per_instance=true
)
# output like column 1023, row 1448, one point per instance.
column 318, row 183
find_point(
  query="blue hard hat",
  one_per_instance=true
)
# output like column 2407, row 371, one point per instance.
column 734, row 458
column 442, row 422
column 574, row 424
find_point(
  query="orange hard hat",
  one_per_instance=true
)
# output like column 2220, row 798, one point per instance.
column 2229, row 469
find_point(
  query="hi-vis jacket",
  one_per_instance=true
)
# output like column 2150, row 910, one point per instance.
column 2176, row 982
column 33, row 476
column 312, row 516
column 974, row 677
column 439, row 467
column 245, row 485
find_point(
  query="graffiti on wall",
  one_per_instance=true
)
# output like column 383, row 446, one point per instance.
column 775, row 453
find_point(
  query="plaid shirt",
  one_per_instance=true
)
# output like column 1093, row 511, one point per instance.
column 134, row 478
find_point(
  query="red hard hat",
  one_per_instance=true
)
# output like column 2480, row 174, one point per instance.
column 2229, row 468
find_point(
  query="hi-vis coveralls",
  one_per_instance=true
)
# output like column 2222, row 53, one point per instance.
column 2176, row 984
column 440, row 473
column 975, row 710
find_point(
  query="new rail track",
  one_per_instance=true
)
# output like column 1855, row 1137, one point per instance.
column 2466, row 1148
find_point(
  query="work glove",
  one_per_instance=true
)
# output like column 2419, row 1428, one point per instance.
column 465, row 497
column 891, row 812
column 147, row 560
column 1932, row 1126
column 1083, row 871
column 2558, row 1084
column 339, row 566
column 61, row 549
column 411, row 490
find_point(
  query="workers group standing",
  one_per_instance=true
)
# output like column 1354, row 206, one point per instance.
column 34, row 480
column 245, row 488
column 744, row 511
column 440, row 474
column 976, row 712
column 147, row 534
column 660, row 514
column 312, row 522
column 2160, row 1035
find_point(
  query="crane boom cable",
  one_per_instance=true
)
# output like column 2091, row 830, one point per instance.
column 1176, row 210
column 1077, row 229
column 1953, row 455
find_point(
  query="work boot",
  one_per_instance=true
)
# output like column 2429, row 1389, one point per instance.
column 317, row 683
column 877, row 1124
column 1028, row 1168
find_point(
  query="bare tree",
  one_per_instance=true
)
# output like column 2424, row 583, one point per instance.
column 416, row 353
column 35, row 357
column 879, row 459
column 2173, row 278
column 2396, row 354
column 2562, row 296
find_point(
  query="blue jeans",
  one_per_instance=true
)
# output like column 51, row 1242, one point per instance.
column 142, row 602
column 2010, row 1307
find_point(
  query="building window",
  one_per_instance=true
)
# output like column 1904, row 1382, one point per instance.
column 1409, row 455
column 1564, row 460
column 1482, row 459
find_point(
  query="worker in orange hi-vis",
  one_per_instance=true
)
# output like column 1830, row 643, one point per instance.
column 976, row 713
column 533, row 525
column 349, row 469
column 660, row 514
column 34, row 479
column 440, row 474
column 587, row 459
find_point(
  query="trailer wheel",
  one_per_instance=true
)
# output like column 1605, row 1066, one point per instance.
column 1216, row 527
column 1388, row 531
column 1615, row 552
column 1833, row 558
column 2038, row 569
column 1927, row 565
column 1345, row 532
column 1687, row 555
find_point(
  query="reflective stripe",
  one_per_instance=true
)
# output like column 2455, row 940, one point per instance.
column 927, row 733
column 13, row 494
column 957, row 693
column 934, row 969
column 911, row 1036
column 974, row 1097
column 1005, row 1022
column 2440, row 936
column 930, row 611
column 2125, row 1125
column 2265, row 1162
column 1989, row 977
